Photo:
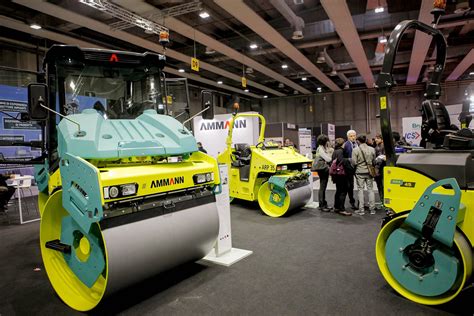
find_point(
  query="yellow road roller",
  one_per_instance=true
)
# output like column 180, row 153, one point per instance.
column 425, row 247
column 277, row 177
column 124, row 192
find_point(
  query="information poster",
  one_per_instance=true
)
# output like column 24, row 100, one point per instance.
column 412, row 130
column 304, row 136
column 13, row 101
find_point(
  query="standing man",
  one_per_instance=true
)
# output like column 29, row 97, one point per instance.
column 349, row 146
column 363, row 157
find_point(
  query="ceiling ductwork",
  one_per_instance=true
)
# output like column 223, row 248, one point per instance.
column 328, row 60
column 296, row 22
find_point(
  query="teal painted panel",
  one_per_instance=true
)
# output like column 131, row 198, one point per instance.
column 433, row 281
column 148, row 134
column 81, row 191
column 449, row 206
column 87, row 271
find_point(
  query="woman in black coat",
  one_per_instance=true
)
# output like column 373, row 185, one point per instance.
column 341, row 180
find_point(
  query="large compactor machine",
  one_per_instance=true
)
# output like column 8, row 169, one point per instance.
column 425, row 247
column 124, row 192
column 278, row 177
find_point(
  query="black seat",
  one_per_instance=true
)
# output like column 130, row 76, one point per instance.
column 436, row 123
column 243, row 155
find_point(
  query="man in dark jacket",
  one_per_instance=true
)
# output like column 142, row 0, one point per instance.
column 349, row 146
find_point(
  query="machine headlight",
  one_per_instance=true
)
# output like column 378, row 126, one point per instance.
column 203, row 177
column 128, row 189
column 113, row 192
column 304, row 166
column 118, row 191
column 284, row 167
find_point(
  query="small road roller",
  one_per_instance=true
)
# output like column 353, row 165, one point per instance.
column 278, row 177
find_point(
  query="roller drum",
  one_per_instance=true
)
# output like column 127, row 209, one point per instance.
column 139, row 250
column 134, row 251
column 294, row 199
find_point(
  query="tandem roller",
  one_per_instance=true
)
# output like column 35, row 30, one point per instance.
column 276, row 177
column 124, row 192
column 424, row 249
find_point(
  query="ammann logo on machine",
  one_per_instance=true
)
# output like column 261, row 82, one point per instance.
column 166, row 182
column 215, row 125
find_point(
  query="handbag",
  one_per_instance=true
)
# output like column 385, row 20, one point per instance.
column 337, row 169
column 371, row 168
column 320, row 165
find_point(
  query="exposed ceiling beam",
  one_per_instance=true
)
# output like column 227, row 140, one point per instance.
column 252, row 20
column 421, row 44
column 70, row 16
column 60, row 38
column 64, row 39
column 336, row 40
column 468, row 26
column 196, row 77
column 146, row 10
column 462, row 66
column 338, row 12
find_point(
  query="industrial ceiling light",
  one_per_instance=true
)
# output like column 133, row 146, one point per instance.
column 295, row 92
column 462, row 6
column 253, row 46
column 321, row 58
column 149, row 29
column 297, row 35
column 281, row 85
column 319, row 89
column 379, row 9
column 204, row 15
column 382, row 39
column 284, row 66
column 304, row 78
column 219, row 82
column 209, row 51
column 246, row 90
column 346, row 86
column 35, row 26
column 265, row 96
column 249, row 70
column 471, row 73
column 333, row 73
column 181, row 70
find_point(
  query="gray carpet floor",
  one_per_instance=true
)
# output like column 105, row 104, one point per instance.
column 307, row 263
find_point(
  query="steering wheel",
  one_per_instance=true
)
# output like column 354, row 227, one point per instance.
column 262, row 144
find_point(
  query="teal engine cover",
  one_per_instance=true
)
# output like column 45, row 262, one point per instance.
column 150, row 134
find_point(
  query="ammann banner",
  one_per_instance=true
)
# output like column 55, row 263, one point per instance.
column 213, row 133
